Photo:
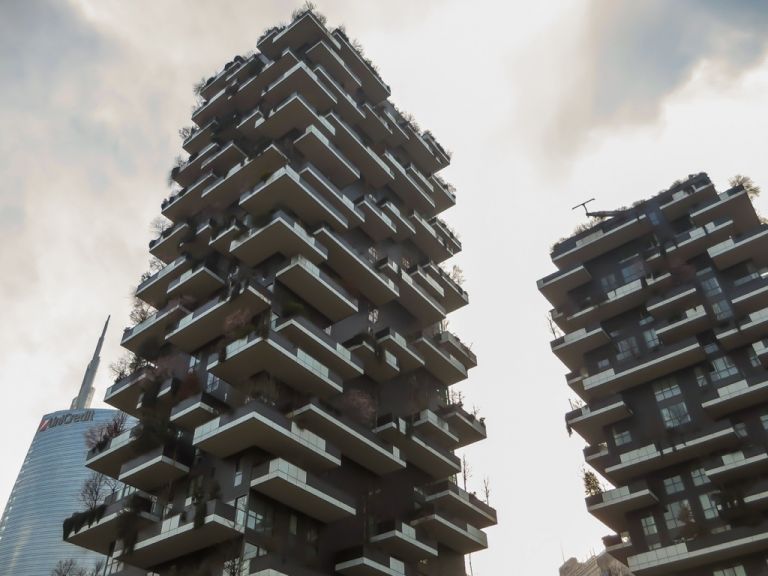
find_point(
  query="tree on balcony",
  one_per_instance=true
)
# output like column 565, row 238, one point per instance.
column 752, row 189
column 591, row 483
column 95, row 488
column 98, row 436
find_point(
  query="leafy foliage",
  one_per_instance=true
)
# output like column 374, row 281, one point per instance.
column 752, row 189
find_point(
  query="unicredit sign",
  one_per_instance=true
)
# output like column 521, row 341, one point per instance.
column 54, row 421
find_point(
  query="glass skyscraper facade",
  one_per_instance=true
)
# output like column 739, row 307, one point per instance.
column 45, row 493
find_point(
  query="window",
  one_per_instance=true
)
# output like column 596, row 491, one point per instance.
column 699, row 477
column 633, row 270
column 649, row 525
column 238, row 473
column 711, row 287
column 628, row 348
column 722, row 310
column 676, row 514
column 608, row 282
column 651, row 339
column 373, row 315
column 741, row 429
column 708, row 506
column 666, row 388
column 753, row 359
column 675, row 415
column 702, row 378
column 621, row 437
column 603, row 364
column 373, row 254
column 737, row 570
column 723, row 367
column 764, row 421
column 673, row 485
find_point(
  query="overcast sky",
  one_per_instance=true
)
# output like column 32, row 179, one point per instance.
column 544, row 104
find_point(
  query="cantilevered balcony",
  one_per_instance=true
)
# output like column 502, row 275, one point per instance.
column 747, row 331
column 689, row 323
column 377, row 224
column 403, row 226
column 154, row 289
column 273, row 353
column 195, row 411
column 318, row 149
column 325, row 54
column 208, row 322
column 394, row 342
column 102, row 532
column 303, row 31
column 751, row 246
column 420, row 151
column 612, row 506
column 761, row 351
column 418, row 302
column 429, row 241
column 668, row 359
column 317, row 288
column 734, row 204
column 408, row 189
column 571, row 348
column 673, row 302
column 301, row 490
column 109, row 457
column 158, row 467
column 283, row 235
column 124, row 393
column 589, row 421
column 188, row 201
column 686, row 245
column 226, row 189
column 446, row 233
column 356, row 269
column 751, row 295
column 380, row 364
column 619, row 546
column 278, row 565
column 286, row 188
column 432, row 427
column 452, row 344
column 355, row 441
column 250, row 90
column 599, row 240
column 403, row 541
column 198, row 283
column 441, row 364
column 166, row 246
column 747, row 463
column 188, row 172
column 444, row 195
column 151, row 331
column 372, row 84
column 682, row 200
column 300, row 80
column 373, row 124
column 333, row 195
column 457, row 535
column 557, row 285
column 223, row 235
column 612, row 303
column 703, row 551
column 364, row 561
column 435, row 461
column 454, row 296
column 424, row 278
column 289, row 116
column 223, row 159
column 346, row 107
column 466, row 426
column 256, row 425
column 446, row 495
column 679, row 448
column 320, row 345
column 371, row 166
column 736, row 396
column 182, row 534
column 202, row 136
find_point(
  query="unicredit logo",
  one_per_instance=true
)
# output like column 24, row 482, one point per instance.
column 47, row 423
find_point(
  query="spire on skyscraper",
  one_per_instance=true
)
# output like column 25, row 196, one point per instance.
column 84, row 397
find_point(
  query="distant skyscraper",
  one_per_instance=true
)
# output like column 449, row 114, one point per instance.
column 48, row 486
column 84, row 397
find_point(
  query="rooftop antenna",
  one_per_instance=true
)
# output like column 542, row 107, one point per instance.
column 85, row 395
column 584, row 205
column 599, row 214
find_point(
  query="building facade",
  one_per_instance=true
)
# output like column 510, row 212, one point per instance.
column 46, row 491
column 599, row 565
column 663, row 310
column 295, row 408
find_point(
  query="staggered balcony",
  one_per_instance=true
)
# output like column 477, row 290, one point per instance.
column 333, row 195
column 457, row 535
column 736, row 396
column 109, row 458
column 747, row 463
column 354, row 440
column 187, row 173
column 124, row 393
column 373, row 86
column 396, row 344
column 154, row 290
column 441, row 364
column 673, row 302
column 371, row 166
column 324, row 53
column 447, row 495
column 380, row 364
column 612, row 506
column 404, row 229
column 294, row 114
column 301, row 490
column 751, row 246
column 406, row 188
column 682, row 200
column 189, row 200
column 198, row 283
column 688, row 244
column 435, row 461
column 282, row 234
column 734, row 204
column 181, row 535
column 599, row 240
column 196, row 410
column 417, row 301
column 320, row 345
column 466, row 426
column 589, row 421
column 258, row 425
column 303, row 31
column 364, row 561
column 403, row 541
column 750, row 295
column 693, row 321
column 319, row 150
column 454, row 346
column 749, row 330
column 429, row 241
column 317, row 288
column 166, row 246
column 158, row 467
column 269, row 351
column 433, row 428
column 278, row 565
column 208, row 322
column 556, row 286
column 570, row 349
